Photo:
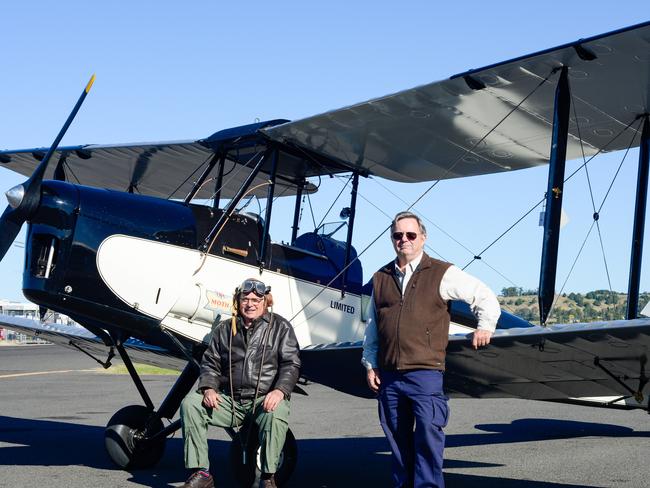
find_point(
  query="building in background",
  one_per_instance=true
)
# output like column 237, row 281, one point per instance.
column 27, row 310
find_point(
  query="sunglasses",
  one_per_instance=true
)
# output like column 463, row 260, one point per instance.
column 255, row 286
column 411, row 236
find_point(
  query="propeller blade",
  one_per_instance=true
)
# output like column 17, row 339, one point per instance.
column 9, row 229
column 33, row 185
column 27, row 201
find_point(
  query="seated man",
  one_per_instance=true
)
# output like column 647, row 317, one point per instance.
column 247, row 373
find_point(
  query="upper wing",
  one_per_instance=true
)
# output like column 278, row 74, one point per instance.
column 445, row 129
column 541, row 363
column 169, row 169
column 77, row 337
column 493, row 119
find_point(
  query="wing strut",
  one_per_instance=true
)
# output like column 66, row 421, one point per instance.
column 554, row 192
column 134, row 376
column 199, row 183
column 639, row 224
column 348, row 245
column 207, row 243
column 261, row 260
column 296, row 213
column 217, row 192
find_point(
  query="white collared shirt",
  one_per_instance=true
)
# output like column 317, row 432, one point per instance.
column 455, row 285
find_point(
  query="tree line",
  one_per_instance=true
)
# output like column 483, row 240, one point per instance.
column 570, row 307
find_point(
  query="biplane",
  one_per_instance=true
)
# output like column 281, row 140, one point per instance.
column 142, row 244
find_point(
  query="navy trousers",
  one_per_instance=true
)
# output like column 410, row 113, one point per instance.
column 408, row 399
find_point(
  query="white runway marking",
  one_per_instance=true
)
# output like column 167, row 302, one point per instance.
column 36, row 373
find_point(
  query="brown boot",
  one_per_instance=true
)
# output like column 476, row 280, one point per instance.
column 200, row 479
column 268, row 482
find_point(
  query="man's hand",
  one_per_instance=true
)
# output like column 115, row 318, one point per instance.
column 211, row 398
column 272, row 400
column 481, row 338
column 373, row 379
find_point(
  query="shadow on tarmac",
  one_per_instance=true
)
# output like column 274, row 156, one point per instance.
column 340, row 462
column 526, row 430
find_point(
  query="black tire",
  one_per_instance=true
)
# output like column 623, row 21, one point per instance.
column 122, row 438
column 248, row 474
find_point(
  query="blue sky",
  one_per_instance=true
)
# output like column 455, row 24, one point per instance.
column 183, row 70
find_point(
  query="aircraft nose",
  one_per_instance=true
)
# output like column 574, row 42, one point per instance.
column 15, row 196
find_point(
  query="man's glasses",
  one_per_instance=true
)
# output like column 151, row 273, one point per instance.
column 411, row 236
column 252, row 301
column 255, row 286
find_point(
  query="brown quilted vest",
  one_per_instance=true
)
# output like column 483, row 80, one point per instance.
column 413, row 329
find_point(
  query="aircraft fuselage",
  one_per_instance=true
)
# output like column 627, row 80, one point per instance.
column 90, row 251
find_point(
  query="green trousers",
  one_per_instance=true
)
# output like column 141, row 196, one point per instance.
column 195, row 418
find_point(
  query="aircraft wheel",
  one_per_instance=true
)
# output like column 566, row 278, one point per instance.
column 123, row 442
column 249, row 473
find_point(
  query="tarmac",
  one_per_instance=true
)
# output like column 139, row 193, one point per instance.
column 54, row 404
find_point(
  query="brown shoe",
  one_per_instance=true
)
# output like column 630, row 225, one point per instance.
column 268, row 483
column 200, row 479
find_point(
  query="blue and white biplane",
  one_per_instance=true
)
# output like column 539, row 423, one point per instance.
column 121, row 239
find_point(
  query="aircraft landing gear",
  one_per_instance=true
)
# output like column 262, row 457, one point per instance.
column 126, row 438
column 135, row 436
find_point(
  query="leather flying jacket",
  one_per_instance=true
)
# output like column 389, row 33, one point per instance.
column 281, row 358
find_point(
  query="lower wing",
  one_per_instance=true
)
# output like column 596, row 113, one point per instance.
column 600, row 363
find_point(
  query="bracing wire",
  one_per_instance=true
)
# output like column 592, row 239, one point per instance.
column 542, row 200
column 429, row 221
column 476, row 144
column 594, row 222
column 426, row 245
column 275, row 198
column 311, row 210
column 67, row 165
column 575, row 261
column 239, row 170
column 591, row 194
column 189, row 176
column 335, row 200
column 443, row 232
column 209, row 248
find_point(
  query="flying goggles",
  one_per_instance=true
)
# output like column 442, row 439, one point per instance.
column 255, row 286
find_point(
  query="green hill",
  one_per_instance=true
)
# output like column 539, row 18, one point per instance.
column 572, row 307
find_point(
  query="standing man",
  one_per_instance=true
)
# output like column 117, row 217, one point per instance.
column 405, row 346
column 247, row 373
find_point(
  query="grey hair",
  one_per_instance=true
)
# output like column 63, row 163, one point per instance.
column 408, row 215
